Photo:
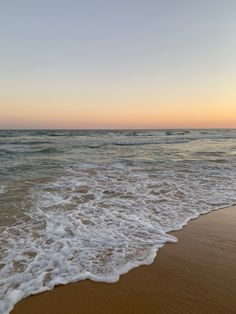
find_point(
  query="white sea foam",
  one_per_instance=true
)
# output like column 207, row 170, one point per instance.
column 99, row 222
column 3, row 189
column 105, row 204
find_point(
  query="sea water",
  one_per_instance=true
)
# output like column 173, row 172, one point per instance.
column 95, row 204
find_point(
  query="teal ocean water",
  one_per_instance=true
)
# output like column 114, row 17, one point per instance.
column 94, row 204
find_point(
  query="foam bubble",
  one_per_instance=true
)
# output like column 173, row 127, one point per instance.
column 99, row 220
column 3, row 189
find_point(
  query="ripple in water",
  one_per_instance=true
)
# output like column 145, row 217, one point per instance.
column 100, row 215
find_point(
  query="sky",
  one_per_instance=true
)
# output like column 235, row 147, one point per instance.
column 117, row 64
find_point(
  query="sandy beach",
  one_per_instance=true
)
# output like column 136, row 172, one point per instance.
column 196, row 275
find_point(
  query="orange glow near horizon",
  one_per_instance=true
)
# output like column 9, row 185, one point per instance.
column 185, row 104
column 102, row 115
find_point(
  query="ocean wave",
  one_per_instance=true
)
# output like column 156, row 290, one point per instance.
column 27, row 143
column 133, row 143
column 98, row 213
column 98, row 222
column 26, row 151
column 48, row 150
column 175, row 132
column 160, row 142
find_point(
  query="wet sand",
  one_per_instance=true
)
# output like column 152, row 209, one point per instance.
column 196, row 275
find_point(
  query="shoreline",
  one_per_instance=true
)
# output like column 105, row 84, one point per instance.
column 195, row 275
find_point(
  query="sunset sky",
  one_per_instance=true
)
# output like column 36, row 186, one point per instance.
column 117, row 64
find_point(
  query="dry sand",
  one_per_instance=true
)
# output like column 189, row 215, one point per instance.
column 196, row 275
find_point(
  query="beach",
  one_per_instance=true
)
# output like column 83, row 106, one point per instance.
column 95, row 206
column 117, row 157
column 195, row 275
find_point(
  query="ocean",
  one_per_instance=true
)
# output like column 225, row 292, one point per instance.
column 77, row 204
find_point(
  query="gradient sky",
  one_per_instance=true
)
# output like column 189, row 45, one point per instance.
column 117, row 64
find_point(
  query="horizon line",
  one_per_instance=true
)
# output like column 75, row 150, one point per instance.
column 110, row 129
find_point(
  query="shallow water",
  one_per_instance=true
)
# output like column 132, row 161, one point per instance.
column 94, row 204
